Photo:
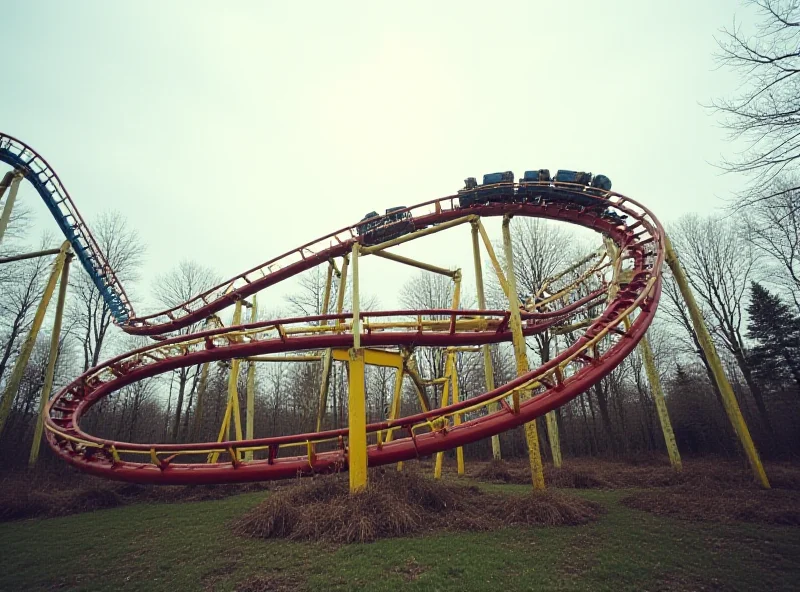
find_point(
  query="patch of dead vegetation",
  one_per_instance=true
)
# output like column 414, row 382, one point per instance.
column 400, row 504
column 410, row 570
column 37, row 494
column 720, row 504
column 638, row 474
column 271, row 583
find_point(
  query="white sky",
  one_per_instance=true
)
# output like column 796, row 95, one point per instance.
column 229, row 133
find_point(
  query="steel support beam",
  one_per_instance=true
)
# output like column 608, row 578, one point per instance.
column 251, row 390
column 15, row 379
column 415, row 263
column 356, row 303
column 661, row 404
column 357, row 422
column 327, row 355
column 717, row 370
column 30, row 255
column 488, row 367
column 12, row 179
column 521, row 357
column 52, row 357
column 416, row 234
column 232, row 413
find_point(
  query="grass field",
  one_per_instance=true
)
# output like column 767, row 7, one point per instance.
column 189, row 546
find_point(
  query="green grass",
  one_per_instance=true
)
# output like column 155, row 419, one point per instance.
column 176, row 547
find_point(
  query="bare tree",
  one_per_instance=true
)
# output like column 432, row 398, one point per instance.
column 186, row 280
column 425, row 291
column 772, row 226
column 18, row 301
column 765, row 110
column 719, row 266
column 88, row 312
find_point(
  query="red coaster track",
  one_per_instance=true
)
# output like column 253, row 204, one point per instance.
column 629, row 302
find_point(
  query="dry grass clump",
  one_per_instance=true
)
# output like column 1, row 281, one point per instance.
column 30, row 503
column 40, row 494
column 400, row 504
column 572, row 477
column 717, row 504
column 500, row 471
column 603, row 474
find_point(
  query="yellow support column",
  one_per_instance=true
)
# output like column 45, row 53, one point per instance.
column 15, row 379
column 457, row 417
column 488, row 369
column 521, row 356
column 437, row 467
column 201, row 393
column 357, row 421
column 13, row 179
column 251, row 390
column 356, row 301
column 232, row 413
column 327, row 355
column 553, row 438
column 724, row 386
column 51, row 361
column 394, row 413
column 552, row 431
column 661, row 405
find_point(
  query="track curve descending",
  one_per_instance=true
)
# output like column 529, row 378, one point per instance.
column 628, row 304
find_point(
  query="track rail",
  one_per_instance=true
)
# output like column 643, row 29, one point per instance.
column 57, row 199
column 629, row 302
column 603, row 345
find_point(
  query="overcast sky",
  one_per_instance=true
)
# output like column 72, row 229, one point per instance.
column 232, row 132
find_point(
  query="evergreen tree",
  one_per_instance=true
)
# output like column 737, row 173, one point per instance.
column 776, row 330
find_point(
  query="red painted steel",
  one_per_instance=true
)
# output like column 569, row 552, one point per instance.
column 642, row 238
column 95, row 455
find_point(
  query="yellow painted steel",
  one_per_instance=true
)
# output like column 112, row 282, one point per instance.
column 51, row 360
column 327, row 355
column 357, row 423
column 546, row 283
column 488, row 367
column 326, row 298
column 15, row 379
column 415, row 263
column 724, row 386
column 416, row 234
column 419, row 383
column 251, row 389
column 356, row 303
column 5, row 182
column 15, row 179
column 202, row 385
column 327, row 360
column 552, row 375
column 521, row 357
column 342, row 286
column 232, row 413
column 437, row 467
column 661, row 404
column 451, row 382
column 373, row 357
column 301, row 358
column 457, row 416
column 498, row 269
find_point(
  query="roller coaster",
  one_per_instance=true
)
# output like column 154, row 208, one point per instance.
column 605, row 304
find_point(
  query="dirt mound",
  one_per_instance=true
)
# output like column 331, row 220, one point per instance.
column 399, row 504
column 720, row 504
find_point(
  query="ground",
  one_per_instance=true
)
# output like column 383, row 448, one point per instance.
column 189, row 546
